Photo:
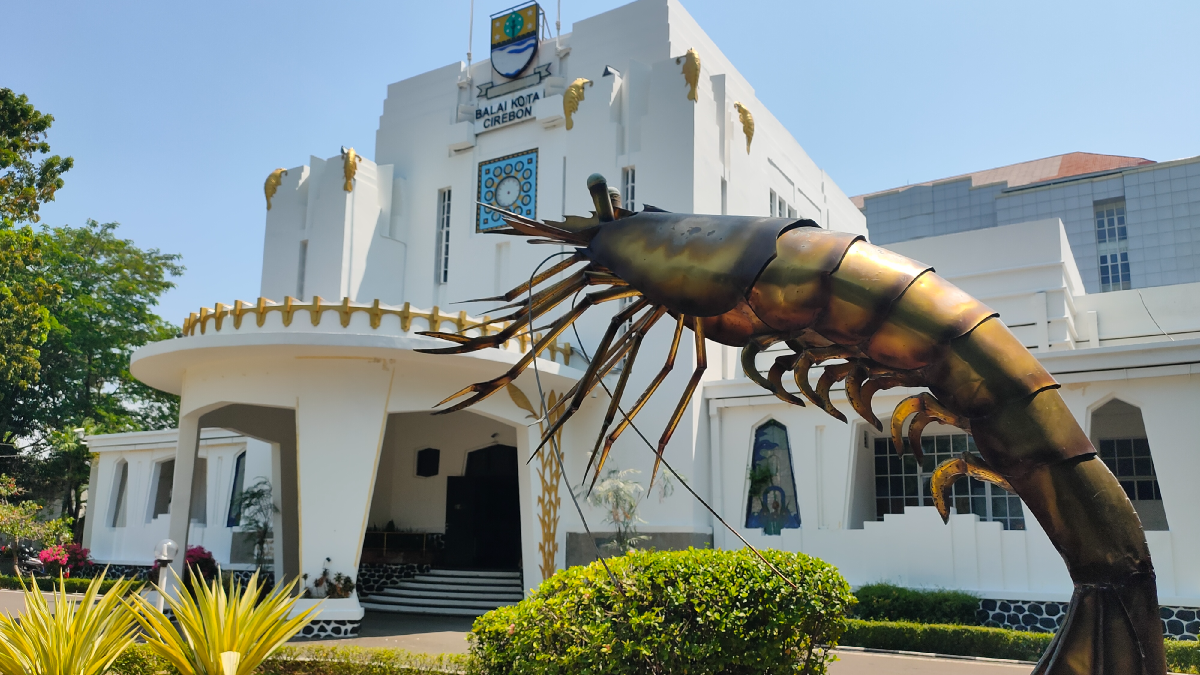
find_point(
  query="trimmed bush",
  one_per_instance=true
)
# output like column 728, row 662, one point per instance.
column 49, row 584
column 314, row 660
column 694, row 611
column 1183, row 657
column 885, row 602
column 361, row 661
column 958, row 640
column 994, row 643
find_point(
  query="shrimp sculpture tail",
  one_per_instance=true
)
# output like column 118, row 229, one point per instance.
column 894, row 322
column 876, row 320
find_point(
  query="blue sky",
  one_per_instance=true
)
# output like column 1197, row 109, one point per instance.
column 176, row 112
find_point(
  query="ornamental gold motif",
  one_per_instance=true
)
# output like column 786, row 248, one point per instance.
column 691, row 72
column 571, row 99
column 549, row 475
column 272, row 185
column 865, row 316
column 747, row 122
column 350, row 160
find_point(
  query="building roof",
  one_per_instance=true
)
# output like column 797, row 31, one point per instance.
column 1035, row 171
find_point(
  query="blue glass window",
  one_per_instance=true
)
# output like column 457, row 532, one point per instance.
column 771, row 504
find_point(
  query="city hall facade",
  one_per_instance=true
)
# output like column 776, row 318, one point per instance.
column 312, row 384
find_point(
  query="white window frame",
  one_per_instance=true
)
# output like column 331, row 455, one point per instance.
column 442, row 251
column 970, row 488
column 629, row 188
column 1112, row 245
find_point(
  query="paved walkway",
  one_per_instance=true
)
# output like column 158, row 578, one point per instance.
column 416, row 633
column 446, row 634
column 866, row 663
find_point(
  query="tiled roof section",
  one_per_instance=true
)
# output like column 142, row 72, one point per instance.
column 1036, row 171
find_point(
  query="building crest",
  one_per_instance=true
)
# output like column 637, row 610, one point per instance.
column 515, row 39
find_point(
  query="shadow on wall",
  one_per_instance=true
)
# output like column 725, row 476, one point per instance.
column 580, row 552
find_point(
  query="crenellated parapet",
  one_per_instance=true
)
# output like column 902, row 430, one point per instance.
column 353, row 317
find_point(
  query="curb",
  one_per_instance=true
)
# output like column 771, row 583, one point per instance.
column 927, row 655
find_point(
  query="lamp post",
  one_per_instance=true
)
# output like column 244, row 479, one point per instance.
column 164, row 553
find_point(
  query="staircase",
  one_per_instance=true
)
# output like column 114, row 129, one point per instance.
column 448, row 592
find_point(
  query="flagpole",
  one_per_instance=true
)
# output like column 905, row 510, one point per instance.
column 470, row 36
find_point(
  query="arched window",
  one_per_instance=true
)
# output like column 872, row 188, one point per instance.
column 1119, row 434
column 235, row 497
column 771, row 504
column 164, row 478
column 120, row 480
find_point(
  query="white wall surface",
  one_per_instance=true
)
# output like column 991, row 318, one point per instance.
column 133, row 543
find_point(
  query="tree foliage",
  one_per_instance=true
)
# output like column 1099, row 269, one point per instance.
column 25, row 182
column 25, row 297
column 74, row 304
column 108, row 288
column 19, row 521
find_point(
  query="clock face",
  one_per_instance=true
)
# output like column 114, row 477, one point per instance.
column 507, row 183
column 508, row 191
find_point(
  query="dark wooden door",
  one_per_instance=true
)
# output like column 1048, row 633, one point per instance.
column 483, row 512
column 460, row 522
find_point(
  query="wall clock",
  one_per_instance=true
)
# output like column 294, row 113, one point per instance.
column 509, row 183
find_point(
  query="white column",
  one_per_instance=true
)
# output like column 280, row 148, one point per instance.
column 339, row 431
column 181, row 488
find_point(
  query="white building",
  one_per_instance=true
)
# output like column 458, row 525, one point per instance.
column 318, row 381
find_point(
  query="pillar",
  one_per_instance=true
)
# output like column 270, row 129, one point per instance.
column 181, row 488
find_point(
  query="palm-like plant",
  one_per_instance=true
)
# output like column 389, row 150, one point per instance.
column 81, row 636
column 221, row 633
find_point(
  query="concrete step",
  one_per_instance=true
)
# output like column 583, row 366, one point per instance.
column 413, row 609
column 507, row 595
column 465, row 581
column 474, row 574
column 449, row 592
column 437, row 602
column 409, row 584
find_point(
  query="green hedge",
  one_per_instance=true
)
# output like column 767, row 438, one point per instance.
column 995, row 643
column 885, row 602
column 1183, row 657
column 316, row 660
column 694, row 611
column 51, row 583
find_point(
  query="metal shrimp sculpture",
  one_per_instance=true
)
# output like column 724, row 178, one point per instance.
column 876, row 320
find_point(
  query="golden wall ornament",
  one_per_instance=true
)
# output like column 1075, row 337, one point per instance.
column 747, row 122
column 273, row 183
column 549, row 476
column 571, row 99
column 875, row 320
column 350, row 160
column 691, row 72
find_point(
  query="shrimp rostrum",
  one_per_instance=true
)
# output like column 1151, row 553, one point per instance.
column 875, row 320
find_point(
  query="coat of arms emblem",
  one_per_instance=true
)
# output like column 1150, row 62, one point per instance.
column 515, row 39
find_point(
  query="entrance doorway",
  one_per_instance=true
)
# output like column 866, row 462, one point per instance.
column 483, row 512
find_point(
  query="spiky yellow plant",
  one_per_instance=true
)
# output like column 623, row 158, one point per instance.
column 221, row 633
column 80, row 636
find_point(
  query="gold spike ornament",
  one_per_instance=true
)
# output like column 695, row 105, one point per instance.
column 691, row 72
column 747, row 122
column 572, row 98
column 272, row 184
column 350, row 160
